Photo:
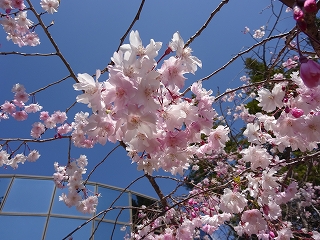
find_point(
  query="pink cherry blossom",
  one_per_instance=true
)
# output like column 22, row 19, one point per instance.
column 21, row 96
column 51, row 6
column 19, row 4
column 309, row 72
column 269, row 101
column 4, row 158
column 32, row 108
column 190, row 62
column 172, row 72
column 33, row 156
column 298, row 14
column 37, row 129
column 8, row 107
column 232, row 202
column 296, row 112
column 20, row 115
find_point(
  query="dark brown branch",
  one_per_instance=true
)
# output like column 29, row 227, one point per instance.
column 153, row 183
column 73, row 104
column 158, row 191
column 312, row 30
column 288, row 3
column 197, row 34
column 244, row 52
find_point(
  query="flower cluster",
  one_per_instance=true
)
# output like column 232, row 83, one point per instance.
column 19, row 28
column 143, row 107
column 71, row 175
column 12, row 161
column 17, row 108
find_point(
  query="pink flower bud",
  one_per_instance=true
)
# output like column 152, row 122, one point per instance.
column 297, row 13
column 310, row 6
column 309, row 72
column 272, row 235
column 296, row 112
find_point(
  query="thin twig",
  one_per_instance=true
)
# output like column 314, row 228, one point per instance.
column 84, row 183
column 28, row 54
column 58, row 52
column 250, row 85
column 49, row 85
column 32, row 140
column 197, row 34
column 235, row 57
column 102, row 212
column 136, row 18
column 72, row 105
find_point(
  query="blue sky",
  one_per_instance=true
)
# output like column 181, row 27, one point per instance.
column 87, row 33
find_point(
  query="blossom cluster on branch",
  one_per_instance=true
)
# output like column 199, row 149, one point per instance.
column 143, row 105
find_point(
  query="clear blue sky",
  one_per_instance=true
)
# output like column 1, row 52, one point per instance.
column 88, row 33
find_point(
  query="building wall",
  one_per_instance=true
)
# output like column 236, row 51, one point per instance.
column 30, row 209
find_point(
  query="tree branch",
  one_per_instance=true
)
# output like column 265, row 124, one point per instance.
column 45, row 29
column 197, row 34
column 158, row 191
column 28, row 54
column 136, row 18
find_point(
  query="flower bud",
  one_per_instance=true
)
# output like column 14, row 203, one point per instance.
column 272, row 235
column 296, row 112
column 298, row 13
column 309, row 72
column 310, row 6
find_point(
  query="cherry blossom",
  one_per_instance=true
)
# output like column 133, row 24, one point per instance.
column 51, row 6
column 269, row 101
